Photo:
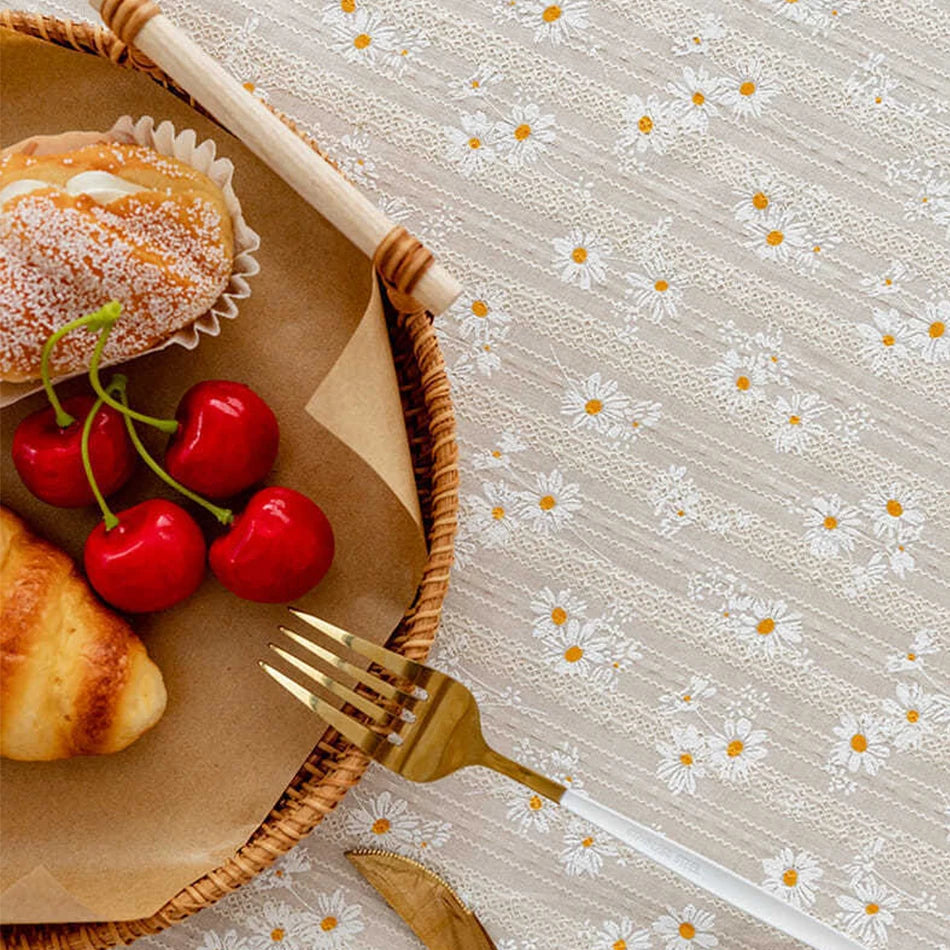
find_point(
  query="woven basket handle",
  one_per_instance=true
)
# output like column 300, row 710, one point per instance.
column 275, row 144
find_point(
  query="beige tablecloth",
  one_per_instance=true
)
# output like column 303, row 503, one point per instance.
column 702, row 370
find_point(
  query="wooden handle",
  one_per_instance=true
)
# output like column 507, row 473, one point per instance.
column 267, row 137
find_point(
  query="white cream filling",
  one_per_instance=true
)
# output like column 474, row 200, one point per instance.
column 102, row 187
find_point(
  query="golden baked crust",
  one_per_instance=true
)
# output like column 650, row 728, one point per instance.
column 74, row 678
column 165, row 253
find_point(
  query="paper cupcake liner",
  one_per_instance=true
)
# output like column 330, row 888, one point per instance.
column 184, row 146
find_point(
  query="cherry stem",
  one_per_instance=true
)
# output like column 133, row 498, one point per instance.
column 165, row 425
column 117, row 384
column 224, row 515
column 104, row 317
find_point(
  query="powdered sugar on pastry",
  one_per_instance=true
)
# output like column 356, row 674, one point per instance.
column 164, row 252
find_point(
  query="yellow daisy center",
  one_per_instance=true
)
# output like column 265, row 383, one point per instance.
column 830, row 522
column 573, row 654
column 760, row 201
column 794, row 420
column 593, row 406
column 888, row 339
column 765, row 626
column 551, row 13
column 774, row 238
column 661, row 286
column 328, row 924
column 698, row 98
column 277, row 934
column 734, row 749
column 558, row 616
column 743, row 383
column 498, row 512
column 912, row 715
column 348, row 6
column 362, row 41
column 894, row 508
column 687, row 931
column 380, row 826
column 480, row 308
column 871, row 909
column 911, row 657
column 936, row 330
column 579, row 255
column 619, row 945
column 535, row 803
column 747, row 88
column 587, row 842
column 790, row 877
column 522, row 132
column 474, row 142
column 686, row 759
column 859, row 743
column 645, row 124
column 547, row 502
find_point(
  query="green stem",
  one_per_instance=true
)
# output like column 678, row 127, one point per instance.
column 104, row 317
column 224, row 515
column 118, row 385
column 165, row 425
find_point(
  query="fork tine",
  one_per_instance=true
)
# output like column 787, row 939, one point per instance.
column 407, row 669
column 352, row 730
column 362, row 703
column 384, row 689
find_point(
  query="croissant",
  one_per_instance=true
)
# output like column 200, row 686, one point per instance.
column 74, row 678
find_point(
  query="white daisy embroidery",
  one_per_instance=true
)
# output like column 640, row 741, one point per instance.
column 641, row 415
column 621, row 934
column 649, row 126
column 595, row 404
column 862, row 744
column 687, row 699
column 362, row 37
column 895, row 512
column 581, row 257
column 523, row 136
column 923, row 645
column 499, row 455
column 795, row 421
column 475, row 85
column 278, row 923
column 529, row 811
column 583, row 649
column 551, row 505
column 694, row 96
column 483, row 308
column 675, row 500
column 914, row 715
column 697, row 40
column 657, row 290
column 746, row 92
column 335, row 922
column 354, row 159
column 492, row 514
column 585, row 849
column 885, row 341
column 776, row 236
column 470, row 147
column 793, row 876
column 682, row 759
column 769, row 626
column 737, row 750
column 868, row 911
column 554, row 22
column 686, row 929
column 759, row 192
column 831, row 526
column 229, row 940
column 890, row 282
column 929, row 334
column 384, row 820
column 553, row 610
column 739, row 380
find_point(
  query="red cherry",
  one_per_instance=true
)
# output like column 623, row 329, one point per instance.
column 153, row 558
column 279, row 547
column 48, row 459
column 226, row 440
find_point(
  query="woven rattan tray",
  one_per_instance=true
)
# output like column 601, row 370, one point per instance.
column 334, row 766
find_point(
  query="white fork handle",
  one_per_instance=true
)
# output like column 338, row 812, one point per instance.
column 709, row 875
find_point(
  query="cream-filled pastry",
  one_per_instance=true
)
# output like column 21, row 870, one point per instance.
column 104, row 221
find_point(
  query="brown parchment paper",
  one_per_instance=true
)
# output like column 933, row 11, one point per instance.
column 113, row 837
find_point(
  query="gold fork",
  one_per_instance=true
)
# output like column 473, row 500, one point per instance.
column 429, row 726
